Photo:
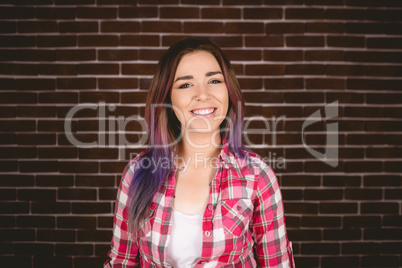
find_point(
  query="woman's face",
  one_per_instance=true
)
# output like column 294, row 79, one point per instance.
column 199, row 95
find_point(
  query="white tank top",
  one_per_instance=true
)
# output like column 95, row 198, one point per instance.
column 185, row 247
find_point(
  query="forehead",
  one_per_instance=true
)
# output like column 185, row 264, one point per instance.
column 198, row 61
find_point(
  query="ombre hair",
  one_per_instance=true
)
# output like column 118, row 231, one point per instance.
column 165, row 128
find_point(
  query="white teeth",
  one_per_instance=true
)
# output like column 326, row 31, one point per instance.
column 203, row 112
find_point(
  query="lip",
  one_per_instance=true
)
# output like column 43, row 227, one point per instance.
column 203, row 115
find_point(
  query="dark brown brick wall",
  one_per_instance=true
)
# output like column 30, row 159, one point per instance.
column 292, row 59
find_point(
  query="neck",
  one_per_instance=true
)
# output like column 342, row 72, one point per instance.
column 196, row 149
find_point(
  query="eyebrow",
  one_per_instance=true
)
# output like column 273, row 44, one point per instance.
column 187, row 77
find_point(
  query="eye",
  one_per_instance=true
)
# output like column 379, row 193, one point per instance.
column 215, row 81
column 185, row 86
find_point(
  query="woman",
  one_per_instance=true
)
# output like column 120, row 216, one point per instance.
column 197, row 197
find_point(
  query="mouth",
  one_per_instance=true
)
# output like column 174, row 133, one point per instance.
column 203, row 111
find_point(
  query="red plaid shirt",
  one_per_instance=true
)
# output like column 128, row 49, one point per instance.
column 243, row 223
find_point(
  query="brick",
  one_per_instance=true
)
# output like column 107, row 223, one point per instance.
column 35, row 111
column 265, row 69
column 74, row 2
column 55, row 13
column 221, row 13
column 283, row 55
column 282, row 83
column 21, row 261
column 343, row 234
column 98, row 40
column 305, row 69
column 367, row 166
column 14, row 208
column 361, row 221
column 246, row 27
column 384, row 98
column 78, row 167
column 324, row 55
column 139, row 40
column 89, row 262
column 390, row 43
column 345, row 41
column 338, row 208
column 78, row 27
column 20, row 125
column 98, row 68
column 54, row 180
column 385, row 3
column 96, row 13
column 91, row 208
column 94, row 181
column 56, row 235
column 383, row 126
column 35, row 55
column 304, row 13
column 358, row 56
column 310, row 194
column 161, row 26
column 73, row 249
column 263, row 96
column 339, row 261
column 362, row 112
column 320, row 221
column 7, row 112
column 56, row 41
column 203, row 27
column 242, row 2
column 265, row 41
column 394, row 221
column 380, row 261
column 179, row 12
column 38, row 166
column 305, row 41
column 57, row 69
column 98, row 153
column 8, row 194
column 16, row 180
column 7, row 55
column 393, row 194
column 284, row 27
column 52, row 125
column 118, row 83
column 352, row 125
column 383, row 153
column 76, row 83
column 36, row 221
column 58, row 97
column 120, row 26
column 17, row 41
column 262, row 13
column 99, row 96
column 37, row 26
column 383, row 234
column 138, row 69
column 324, row 27
column 383, row 180
column 37, row 249
column 393, row 112
column 394, row 139
column 18, row 152
column 391, row 247
column 61, row 262
column 304, row 208
column 151, row 54
column 17, row 235
column 138, row 12
column 200, row 2
column 305, row 235
column 292, row 194
column 19, row 69
column 118, row 54
column 56, row 153
column 237, row 55
column 17, row 12
column 347, row 97
column 162, row 2
column 50, row 207
column 351, row 153
column 35, row 84
column 115, row 2
column 345, row 14
column 379, row 208
column 113, row 166
column 307, row 97
column 321, row 248
column 107, row 194
column 100, row 249
column 72, row 222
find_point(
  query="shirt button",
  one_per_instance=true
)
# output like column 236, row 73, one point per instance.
column 207, row 233
column 210, row 207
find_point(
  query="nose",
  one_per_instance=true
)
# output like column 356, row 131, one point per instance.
column 202, row 93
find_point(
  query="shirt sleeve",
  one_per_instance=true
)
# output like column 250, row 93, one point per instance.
column 271, row 245
column 124, row 250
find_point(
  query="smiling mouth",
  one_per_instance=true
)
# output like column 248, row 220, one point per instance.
column 207, row 111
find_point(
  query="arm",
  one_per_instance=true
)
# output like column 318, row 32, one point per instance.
column 124, row 252
column 271, row 245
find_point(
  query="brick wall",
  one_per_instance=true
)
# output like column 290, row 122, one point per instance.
column 293, row 59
